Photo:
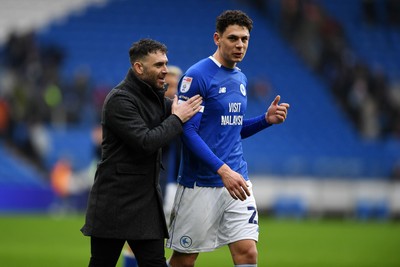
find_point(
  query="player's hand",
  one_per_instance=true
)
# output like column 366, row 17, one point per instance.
column 234, row 183
column 186, row 109
column 277, row 113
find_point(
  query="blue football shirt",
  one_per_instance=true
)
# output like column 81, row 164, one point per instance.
column 213, row 136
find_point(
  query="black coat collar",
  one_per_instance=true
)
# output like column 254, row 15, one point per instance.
column 134, row 83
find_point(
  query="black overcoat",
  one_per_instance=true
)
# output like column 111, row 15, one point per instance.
column 126, row 201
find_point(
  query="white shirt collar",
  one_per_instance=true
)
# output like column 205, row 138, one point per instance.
column 215, row 61
column 219, row 64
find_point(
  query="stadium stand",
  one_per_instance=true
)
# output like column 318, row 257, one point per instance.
column 337, row 152
column 374, row 37
column 22, row 187
column 318, row 140
column 23, row 16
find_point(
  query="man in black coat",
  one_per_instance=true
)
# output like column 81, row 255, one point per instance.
column 125, row 203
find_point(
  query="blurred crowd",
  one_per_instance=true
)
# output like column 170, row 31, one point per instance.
column 366, row 95
column 35, row 95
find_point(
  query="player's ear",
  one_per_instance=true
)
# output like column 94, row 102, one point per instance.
column 216, row 38
column 138, row 67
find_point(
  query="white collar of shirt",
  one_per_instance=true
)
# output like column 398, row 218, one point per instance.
column 219, row 64
column 215, row 61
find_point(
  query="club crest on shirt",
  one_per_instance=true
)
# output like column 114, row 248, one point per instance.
column 243, row 89
column 185, row 85
column 186, row 241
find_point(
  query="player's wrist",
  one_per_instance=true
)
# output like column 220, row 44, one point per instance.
column 223, row 169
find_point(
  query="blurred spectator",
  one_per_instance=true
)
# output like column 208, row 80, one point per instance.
column 54, row 100
column 393, row 12
column 396, row 171
column 73, row 186
column 21, row 52
column 333, row 46
column 307, row 39
column 379, row 90
column 369, row 10
column 381, row 13
column 290, row 18
column 362, row 106
column 77, row 95
column 4, row 117
column 172, row 79
column 33, row 91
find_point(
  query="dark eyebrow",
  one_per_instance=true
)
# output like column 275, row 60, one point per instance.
column 233, row 36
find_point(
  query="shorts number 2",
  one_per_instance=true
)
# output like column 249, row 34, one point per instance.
column 253, row 215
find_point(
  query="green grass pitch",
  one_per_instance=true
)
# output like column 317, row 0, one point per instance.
column 46, row 241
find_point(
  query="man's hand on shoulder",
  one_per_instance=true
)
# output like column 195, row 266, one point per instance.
column 186, row 109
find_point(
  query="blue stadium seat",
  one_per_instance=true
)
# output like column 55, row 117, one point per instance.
column 16, row 172
column 22, row 187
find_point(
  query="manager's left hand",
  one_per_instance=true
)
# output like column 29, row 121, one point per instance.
column 277, row 113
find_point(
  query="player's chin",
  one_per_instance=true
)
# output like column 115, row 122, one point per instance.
column 237, row 59
column 160, row 84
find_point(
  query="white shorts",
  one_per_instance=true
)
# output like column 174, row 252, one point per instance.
column 170, row 191
column 205, row 218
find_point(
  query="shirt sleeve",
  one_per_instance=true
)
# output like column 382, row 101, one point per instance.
column 190, row 137
column 253, row 126
column 196, row 144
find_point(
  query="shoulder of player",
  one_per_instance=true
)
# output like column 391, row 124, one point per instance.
column 203, row 70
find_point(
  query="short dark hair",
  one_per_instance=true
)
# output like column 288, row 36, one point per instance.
column 143, row 47
column 233, row 17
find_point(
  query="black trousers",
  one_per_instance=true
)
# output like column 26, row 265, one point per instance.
column 105, row 252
